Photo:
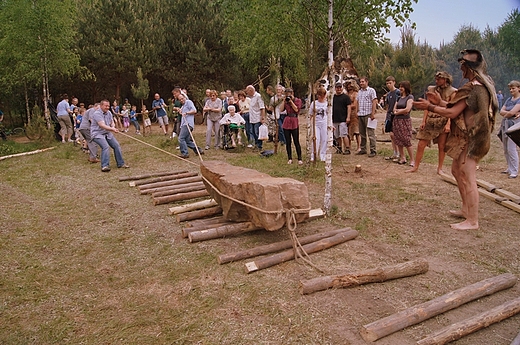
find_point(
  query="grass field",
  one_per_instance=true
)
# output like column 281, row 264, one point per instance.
column 85, row 259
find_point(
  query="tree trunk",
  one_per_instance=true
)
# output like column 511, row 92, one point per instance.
column 309, row 249
column 376, row 275
column 179, row 197
column 170, row 177
column 222, row 231
column 192, row 207
column 207, row 212
column 328, row 160
column 439, row 305
column 473, row 324
column 275, row 247
column 145, row 176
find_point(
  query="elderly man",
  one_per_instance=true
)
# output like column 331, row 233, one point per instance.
column 102, row 128
column 256, row 113
column 472, row 112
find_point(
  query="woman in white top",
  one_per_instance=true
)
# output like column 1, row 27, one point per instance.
column 318, row 111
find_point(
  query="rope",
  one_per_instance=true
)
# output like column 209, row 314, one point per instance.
column 159, row 149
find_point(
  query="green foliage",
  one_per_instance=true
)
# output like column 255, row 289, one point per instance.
column 142, row 89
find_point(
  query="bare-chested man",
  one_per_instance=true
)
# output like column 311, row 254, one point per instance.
column 470, row 133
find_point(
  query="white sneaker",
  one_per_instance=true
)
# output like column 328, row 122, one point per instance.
column 206, row 148
column 178, row 148
column 250, row 146
column 174, row 135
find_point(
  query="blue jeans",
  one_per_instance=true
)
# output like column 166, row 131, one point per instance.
column 106, row 143
column 136, row 125
column 248, row 127
column 256, row 127
column 186, row 142
column 281, row 136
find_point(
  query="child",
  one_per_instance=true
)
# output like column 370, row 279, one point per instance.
column 77, row 121
column 133, row 119
column 146, row 119
column 126, row 118
column 236, row 123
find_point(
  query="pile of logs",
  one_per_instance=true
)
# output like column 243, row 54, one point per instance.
column 418, row 313
column 490, row 191
column 168, row 187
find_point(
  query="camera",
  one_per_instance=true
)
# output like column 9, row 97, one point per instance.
column 288, row 99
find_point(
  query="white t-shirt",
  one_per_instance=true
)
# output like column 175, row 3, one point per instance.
column 321, row 111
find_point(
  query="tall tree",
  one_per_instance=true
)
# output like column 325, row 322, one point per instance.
column 36, row 42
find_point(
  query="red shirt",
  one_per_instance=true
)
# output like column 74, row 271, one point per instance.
column 291, row 119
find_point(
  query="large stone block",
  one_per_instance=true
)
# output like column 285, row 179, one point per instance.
column 258, row 189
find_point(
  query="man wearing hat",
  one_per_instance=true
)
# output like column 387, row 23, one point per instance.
column 472, row 111
column 341, row 106
column 434, row 126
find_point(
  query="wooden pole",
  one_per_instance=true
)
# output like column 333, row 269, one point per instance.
column 377, row 275
column 222, row 231
column 179, row 197
column 169, row 187
column 473, row 324
column 516, row 341
column 206, row 212
column 486, row 185
column 144, row 176
column 26, row 153
column 202, row 227
column 193, row 206
column 198, row 222
column 411, row 316
column 179, row 189
column 309, row 248
column 275, row 247
column 164, row 178
column 150, row 186
column 506, row 194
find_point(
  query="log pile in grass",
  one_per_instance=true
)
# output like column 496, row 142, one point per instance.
column 413, row 315
column 145, row 176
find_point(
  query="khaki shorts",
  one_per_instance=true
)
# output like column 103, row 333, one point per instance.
column 147, row 122
column 163, row 120
column 340, row 129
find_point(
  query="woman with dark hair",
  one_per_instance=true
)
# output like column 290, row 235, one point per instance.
column 402, row 123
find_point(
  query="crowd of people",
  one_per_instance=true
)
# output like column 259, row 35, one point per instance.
column 459, row 121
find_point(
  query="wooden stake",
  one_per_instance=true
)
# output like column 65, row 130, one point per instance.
column 145, row 189
column 309, row 249
column 439, row 305
column 193, row 206
column 473, row 324
column 170, row 187
column 377, row 275
column 206, row 212
column 141, row 177
column 179, row 189
column 179, row 197
column 275, row 247
column 164, row 178
column 222, row 231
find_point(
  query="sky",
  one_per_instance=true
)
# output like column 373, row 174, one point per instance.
column 438, row 21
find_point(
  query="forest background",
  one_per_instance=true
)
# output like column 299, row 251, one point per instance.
column 93, row 49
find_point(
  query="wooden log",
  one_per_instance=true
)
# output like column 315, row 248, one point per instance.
column 448, row 178
column 506, row 194
column 213, row 220
column 413, row 315
column 511, row 205
column 179, row 189
column 201, row 227
column 145, row 189
column 472, row 324
column 145, row 176
column 165, row 178
column 516, row 341
column 376, row 275
column 26, row 153
column 275, row 247
column 206, row 212
column 192, row 206
column 222, row 231
column 486, row 185
column 180, row 196
column 491, row 196
column 309, row 248
column 170, row 187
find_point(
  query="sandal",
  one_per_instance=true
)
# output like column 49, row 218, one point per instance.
column 412, row 164
column 289, row 161
column 401, row 162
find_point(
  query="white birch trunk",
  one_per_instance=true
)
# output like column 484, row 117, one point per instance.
column 328, row 160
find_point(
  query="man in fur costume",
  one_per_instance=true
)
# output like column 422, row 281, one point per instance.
column 472, row 110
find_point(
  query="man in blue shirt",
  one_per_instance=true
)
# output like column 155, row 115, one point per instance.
column 188, row 112
column 159, row 106
column 102, row 128
column 63, row 112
